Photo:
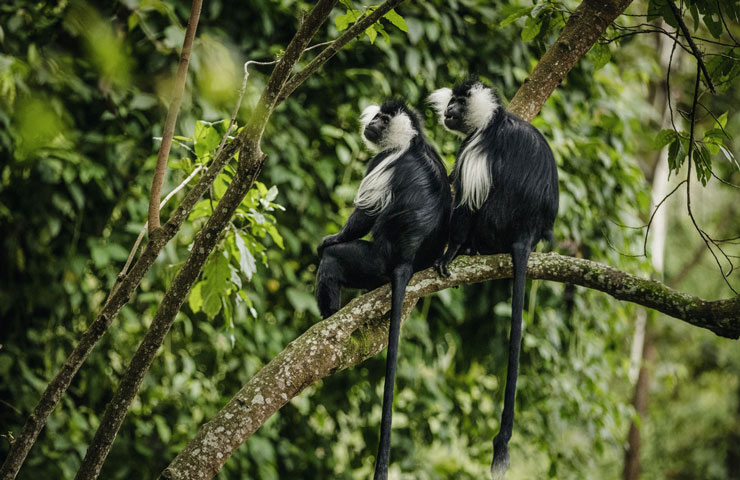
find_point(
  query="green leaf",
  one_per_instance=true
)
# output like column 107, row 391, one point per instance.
column 247, row 263
column 196, row 298
column 600, row 55
column 216, row 284
column 676, row 155
column 531, row 29
column 206, row 139
column 133, row 21
column 346, row 19
column 397, row 20
column 371, row 33
column 519, row 13
column 271, row 194
column 276, row 237
column 723, row 120
column 663, row 138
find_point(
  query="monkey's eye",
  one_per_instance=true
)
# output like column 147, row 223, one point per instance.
column 385, row 120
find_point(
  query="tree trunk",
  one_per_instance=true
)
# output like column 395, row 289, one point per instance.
column 640, row 403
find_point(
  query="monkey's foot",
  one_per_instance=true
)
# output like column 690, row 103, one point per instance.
column 441, row 266
column 500, row 463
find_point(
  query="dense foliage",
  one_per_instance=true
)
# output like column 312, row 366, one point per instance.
column 83, row 91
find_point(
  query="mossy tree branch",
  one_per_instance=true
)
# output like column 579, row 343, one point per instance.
column 360, row 330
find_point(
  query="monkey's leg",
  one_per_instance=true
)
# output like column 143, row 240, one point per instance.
column 358, row 225
column 460, row 228
column 399, row 279
column 353, row 265
column 520, row 256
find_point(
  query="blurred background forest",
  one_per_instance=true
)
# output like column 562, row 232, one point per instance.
column 83, row 93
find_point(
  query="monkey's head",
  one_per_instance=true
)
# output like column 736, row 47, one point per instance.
column 391, row 126
column 466, row 107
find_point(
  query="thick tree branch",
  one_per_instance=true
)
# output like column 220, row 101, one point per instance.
column 250, row 164
column 160, row 168
column 583, row 29
column 360, row 330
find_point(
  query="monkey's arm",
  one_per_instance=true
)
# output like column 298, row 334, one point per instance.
column 358, row 225
column 460, row 227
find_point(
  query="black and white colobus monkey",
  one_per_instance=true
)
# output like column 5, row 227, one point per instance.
column 506, row 198
column 404, row 200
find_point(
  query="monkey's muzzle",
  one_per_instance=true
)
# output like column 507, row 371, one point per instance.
column 372, row 133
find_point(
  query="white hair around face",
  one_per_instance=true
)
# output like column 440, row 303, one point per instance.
column 439, row 99
column 399, row 133
column 368, row 114
column 480, row 107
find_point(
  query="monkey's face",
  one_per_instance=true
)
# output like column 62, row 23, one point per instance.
column 377, row 127
column 387, row 127
column 466, row 108
column 455, row 113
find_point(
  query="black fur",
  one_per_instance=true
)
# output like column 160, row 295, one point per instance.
column 407, row 236
column 519, row 212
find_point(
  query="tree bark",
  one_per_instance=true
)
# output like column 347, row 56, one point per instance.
column 583, row 29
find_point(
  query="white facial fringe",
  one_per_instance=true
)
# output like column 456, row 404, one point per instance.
column 475, row 176
column 480, row 107
column 399, row 133
column 439, row 99
column 366, row 117
column 375, row 192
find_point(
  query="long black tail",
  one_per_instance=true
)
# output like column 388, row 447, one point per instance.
column 401, row 276
column 520, row 256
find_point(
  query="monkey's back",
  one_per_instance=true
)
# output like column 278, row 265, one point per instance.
column 523, row 200
column 414, row 226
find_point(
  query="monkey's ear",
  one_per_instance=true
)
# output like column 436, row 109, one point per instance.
column 439, row 99
column 368, row 114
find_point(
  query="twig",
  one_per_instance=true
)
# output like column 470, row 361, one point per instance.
column 694, row 48
column 704, row 236
column 172, row 112
column 727, row 29
column 131, row 255
column 652, row 216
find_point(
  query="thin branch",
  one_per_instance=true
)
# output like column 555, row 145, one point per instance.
column 652, row 216
column 694, row 48
column 144, row 228
column 359, row 331
column 690, row 154
column 333, row 47
column 727, row 29
column 172, row 112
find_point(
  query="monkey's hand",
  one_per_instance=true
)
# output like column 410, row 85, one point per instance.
column 328, row 241
column 441, row 264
